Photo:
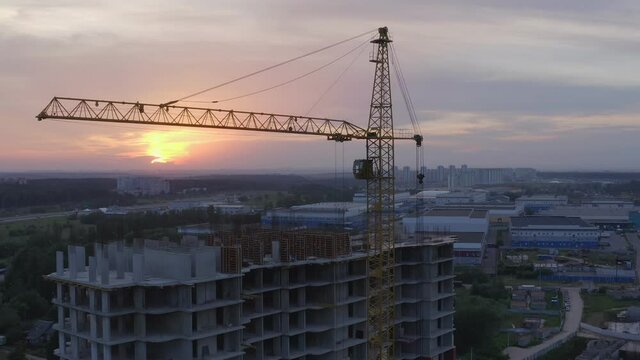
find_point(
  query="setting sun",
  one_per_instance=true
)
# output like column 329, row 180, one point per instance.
column 166, row 147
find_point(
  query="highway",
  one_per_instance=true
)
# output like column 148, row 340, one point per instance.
column 570, row 327
column 30, row 217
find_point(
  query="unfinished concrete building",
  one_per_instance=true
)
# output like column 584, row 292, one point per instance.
column 268, row 295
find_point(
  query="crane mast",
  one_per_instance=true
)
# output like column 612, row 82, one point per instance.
column 380, row 206
column 377, row 169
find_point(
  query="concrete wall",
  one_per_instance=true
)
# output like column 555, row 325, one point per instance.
column 163, row 264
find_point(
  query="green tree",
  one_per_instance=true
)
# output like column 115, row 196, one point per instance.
column 9, row 318
column 471, row 276
column 29, row 305
column 477, row 322
column 492, row 290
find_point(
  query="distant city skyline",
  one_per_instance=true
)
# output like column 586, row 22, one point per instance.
column 542, row 84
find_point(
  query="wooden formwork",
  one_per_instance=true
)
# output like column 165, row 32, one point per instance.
column 292, row 247
column 267, row 237
column 328, row 245
column 231, row 259
column 343, row 244
column 252, row 249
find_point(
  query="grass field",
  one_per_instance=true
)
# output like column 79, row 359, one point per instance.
column 599, row 308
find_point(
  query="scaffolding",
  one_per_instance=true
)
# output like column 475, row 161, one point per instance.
column 231, row 259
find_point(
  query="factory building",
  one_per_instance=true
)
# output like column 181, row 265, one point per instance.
column 332, row 215
column 553, row 232
column 606, row 214
column 498, row 213
column 266, row 295
column 447, row 220
column 541, row 202
column 469, row 227
column 460, row 197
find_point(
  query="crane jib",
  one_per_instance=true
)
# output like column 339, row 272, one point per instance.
column 97, row 110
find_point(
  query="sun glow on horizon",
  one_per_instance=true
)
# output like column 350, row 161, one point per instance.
column 166, row 147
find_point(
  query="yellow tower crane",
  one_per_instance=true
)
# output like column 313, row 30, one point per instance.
column 377, row 169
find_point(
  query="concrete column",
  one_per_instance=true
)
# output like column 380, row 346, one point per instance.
column 59, row 263
column 92, row 299
column 104, row 269
column 73, row 293
column 81, row 260
column 62, row 343
column 93, row 326
column 106, row 355
column 120, row 264
column 94, row 351
column 61, row 317
column 138, row 298
column 92, row 269
column 98, row 256
column 106, row 328
column 73, row 319
column 59, row 292
column 106, row 303
column 74, row 347
column 138, row 267
column 140, row 350
column 73, row 267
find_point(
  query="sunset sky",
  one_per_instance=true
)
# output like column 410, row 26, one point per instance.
column 546, row 84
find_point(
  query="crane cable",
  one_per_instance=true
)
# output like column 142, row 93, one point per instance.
column 286, row 82
column 268, row 68
column 336, row 80
column 404, row 90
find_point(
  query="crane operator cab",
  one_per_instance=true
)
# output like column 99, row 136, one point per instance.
column 363, row 169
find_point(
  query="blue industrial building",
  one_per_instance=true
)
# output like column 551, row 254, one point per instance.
column 330, row 215
column 556, row 232
column 600, row 275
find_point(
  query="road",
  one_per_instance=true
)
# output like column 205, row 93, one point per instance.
column 571, row 325
column 13, row 219
column 634, row 239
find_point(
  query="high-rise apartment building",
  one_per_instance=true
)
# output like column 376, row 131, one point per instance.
column 267, row 296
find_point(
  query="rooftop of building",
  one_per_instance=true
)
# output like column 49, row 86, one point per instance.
column 485, row 205
column 526, row 221
column 430, row 194
column 163, row 263
column 331, row 206
column 458, row 212
column 543, row 197
column 460, row 194
column 607, row 201
column 591, row 213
